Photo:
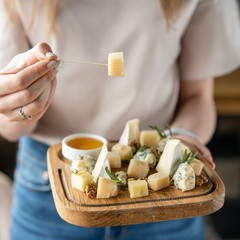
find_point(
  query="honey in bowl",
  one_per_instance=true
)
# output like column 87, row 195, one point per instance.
column 85, row 143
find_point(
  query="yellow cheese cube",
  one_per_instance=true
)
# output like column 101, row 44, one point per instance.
column 183, row 148
column 137, row 168
column 80, row 181
column 158, row 181
column 197, row 166
column 116, row 64
column 124, row 151
column 114, row 159
column 150, row 138
column 106, row 188
column 138, row 188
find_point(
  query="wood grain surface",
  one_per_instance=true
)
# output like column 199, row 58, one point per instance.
column 169, row 203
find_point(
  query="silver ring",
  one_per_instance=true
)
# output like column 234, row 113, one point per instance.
column 23, row 115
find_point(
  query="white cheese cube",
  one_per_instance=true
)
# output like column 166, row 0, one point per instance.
column 130, row 132
column 149, row 138
column 116, row 64
column 138, row 188
column 158, row 181
column 101, row 164
column 197, row 166
column 124, row 151
column 106, row 188
column 170, row 158
column 80, row 181
column 114, row 159
column 137, row 168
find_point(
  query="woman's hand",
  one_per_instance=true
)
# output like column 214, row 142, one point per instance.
column 28, row 83
column 199, row 146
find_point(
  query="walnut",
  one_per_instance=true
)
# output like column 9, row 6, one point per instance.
column 134, row 145
column 156, row 152
column 200, row 180
column 91, row 190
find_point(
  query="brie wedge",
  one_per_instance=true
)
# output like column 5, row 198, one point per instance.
column 101, row 164
column 170, row 158
column 130, row 132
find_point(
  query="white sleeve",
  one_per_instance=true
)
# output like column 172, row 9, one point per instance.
column 12, row 36
column 211, row 43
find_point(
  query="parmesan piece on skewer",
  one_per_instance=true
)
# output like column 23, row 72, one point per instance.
column 116, row 64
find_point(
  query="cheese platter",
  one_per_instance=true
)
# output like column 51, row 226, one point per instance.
column 160, row 198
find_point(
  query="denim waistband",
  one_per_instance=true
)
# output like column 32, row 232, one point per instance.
column 31, row 170
column 33, row 148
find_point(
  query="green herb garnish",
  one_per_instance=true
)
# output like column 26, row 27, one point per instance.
column 161, row 134
column 115, row 179
column 170, row 130
column 76, row 171
column 186, row 159
column 142, row 148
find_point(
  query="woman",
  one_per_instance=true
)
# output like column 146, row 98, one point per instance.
column 172, row 53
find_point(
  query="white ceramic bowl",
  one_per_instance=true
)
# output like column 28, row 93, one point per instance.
column 70, row 153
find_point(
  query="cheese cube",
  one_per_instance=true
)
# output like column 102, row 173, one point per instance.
column 124, row 151
column 80, row 181
column 137, row 168
column 106, row 188
column 138, row 188
column 149, row 138
column 130, row 132
column 197, row 166
column 170, row 158
column 116, row 64
column 114, row 159
column 158, row 181
column 183, row 148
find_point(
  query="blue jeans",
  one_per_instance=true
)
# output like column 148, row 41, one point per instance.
column 34, row 215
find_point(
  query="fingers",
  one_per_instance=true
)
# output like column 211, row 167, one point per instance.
column 41, row 51
column 50, row 97
column 32, row 109
column 203, row 150
column 27, row 95
column 206, row 154
column 23, row 79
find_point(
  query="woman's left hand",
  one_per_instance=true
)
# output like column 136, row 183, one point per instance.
column 200, row 147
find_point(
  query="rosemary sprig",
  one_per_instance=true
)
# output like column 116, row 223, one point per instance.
column 142, row 148
column 185, row 159
column 161, row 134
column 114, row 179
column 76, row 171
column 195, row 154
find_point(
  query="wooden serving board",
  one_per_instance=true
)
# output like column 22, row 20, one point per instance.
column 167, row 204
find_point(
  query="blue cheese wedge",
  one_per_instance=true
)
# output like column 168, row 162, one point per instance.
column 146, row 156
column 170, row 158
column 130, row 132
column 184, row 178
column 101, row 164
column 83, row 163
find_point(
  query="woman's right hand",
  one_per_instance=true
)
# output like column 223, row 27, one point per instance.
column 29, row 82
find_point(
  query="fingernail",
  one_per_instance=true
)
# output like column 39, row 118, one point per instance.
column 59, row 66
column 50, row 54
column 52, row 64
